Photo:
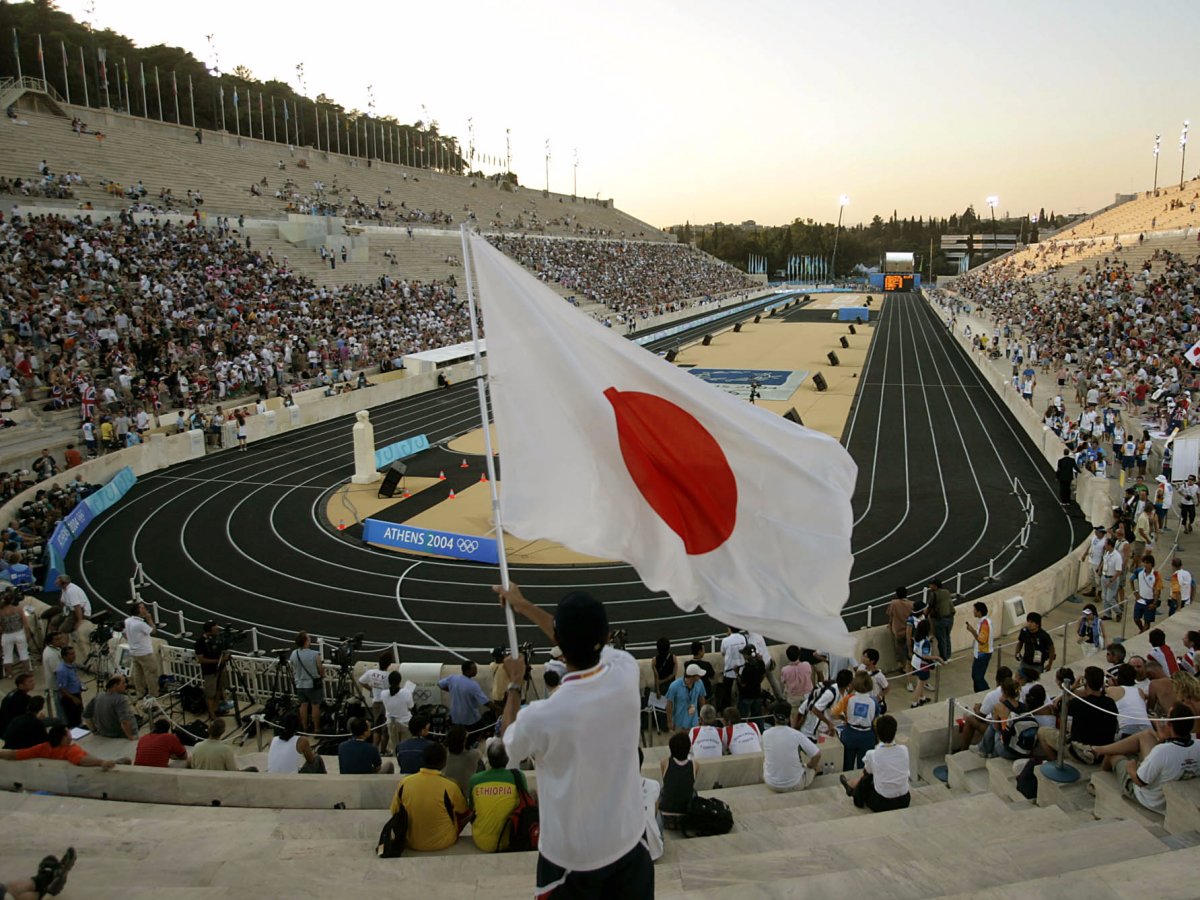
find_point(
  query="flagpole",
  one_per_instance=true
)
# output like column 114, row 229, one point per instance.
column 481, row 385
column 66, row 77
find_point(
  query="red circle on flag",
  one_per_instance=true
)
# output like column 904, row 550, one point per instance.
column 678, row 467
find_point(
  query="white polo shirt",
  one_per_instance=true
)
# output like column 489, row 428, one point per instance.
column 137, row 635
column 73, row 596
column 585, row 739
column 782, row 766
column 888, row 765
column 743, row 737
column 732, row 646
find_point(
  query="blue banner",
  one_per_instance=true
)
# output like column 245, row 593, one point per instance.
column 385, row 456
column 426, row 540
column 78, row 519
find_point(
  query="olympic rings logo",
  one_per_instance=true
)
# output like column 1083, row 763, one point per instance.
column 466, row 545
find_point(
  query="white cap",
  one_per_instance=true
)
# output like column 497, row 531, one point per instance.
column 693, row 669
column 556, row 652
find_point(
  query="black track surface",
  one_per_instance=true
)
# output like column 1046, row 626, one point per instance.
column 243, row 537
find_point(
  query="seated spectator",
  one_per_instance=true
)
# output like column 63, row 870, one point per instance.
column 461, row 762
column 110, row 714
column 214, row 755
column 706, row 739
column 740, row 737
column 411, row 751
column 27, row 728
column 60, row 746
column 552, row 680
column 358, row 755
column 883, row 785
column 492, row 796
column 791, row 760
column 437, row 810
column 1132, row 715
column 51, row 876
column 16, row 701
column 159, row 747
column 678, row 780
column 651, row 790
column 1168, row 752
column 1092, row 715
column 290, row 751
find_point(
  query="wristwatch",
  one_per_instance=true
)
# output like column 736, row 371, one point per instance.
column 514, row 686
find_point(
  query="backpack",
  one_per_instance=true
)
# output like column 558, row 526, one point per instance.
column 524, row 824
column 706, row 816
column 394, row 834
column 811, row 702
column 1021, row 735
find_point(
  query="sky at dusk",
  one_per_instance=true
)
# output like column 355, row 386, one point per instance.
column 708, row 111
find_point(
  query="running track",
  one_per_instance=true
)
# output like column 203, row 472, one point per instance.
column 242, row 537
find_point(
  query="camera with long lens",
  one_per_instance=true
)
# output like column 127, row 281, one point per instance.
column 526, row 650
column 619, row 638
column 343, row 653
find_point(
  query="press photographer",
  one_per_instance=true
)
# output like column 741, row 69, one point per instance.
column 308, row 677
column 139, row 628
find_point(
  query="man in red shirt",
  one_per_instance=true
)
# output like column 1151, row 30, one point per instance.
column 159, row 747
column 60, row 746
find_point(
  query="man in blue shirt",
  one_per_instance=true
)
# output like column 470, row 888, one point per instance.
column 684, row 698
column 466, row 696
column 359, row 755
column 411, row 752
column 70, row 689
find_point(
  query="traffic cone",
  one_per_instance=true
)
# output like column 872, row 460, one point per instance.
column 406, row 495
column 483, row 477
column 441, row 476
column 464, row 464
column 451, row 497
column 341, row 525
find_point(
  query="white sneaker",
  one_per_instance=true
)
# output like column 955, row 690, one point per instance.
column 909, row 688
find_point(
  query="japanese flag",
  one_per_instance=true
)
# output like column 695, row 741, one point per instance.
column 1193, row 355
column 616, row 453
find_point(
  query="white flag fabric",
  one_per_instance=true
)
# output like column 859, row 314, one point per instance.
column 1193, row 355
column 616, row 453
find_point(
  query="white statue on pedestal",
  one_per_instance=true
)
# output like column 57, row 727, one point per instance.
column 364, row 450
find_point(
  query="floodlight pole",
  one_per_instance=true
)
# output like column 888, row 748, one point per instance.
column 843, row 201
column 1157, row 143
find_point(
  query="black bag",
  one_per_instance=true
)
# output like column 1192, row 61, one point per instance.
column 706, row 816
column 1021, row 735
column 191, row 696
column 191, row 733
column 1027, row 779
column 524, row 822
column 316, row 767
column 394, row 833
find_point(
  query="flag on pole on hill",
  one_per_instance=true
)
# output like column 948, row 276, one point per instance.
column 616, row 453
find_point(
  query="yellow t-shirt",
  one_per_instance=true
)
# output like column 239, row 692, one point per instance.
column 493, row 795
column 434, row 805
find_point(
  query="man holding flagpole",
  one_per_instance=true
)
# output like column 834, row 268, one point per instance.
column 585, row 738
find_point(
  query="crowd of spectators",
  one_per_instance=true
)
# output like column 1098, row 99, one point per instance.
column 113, row 315
column 1111, row 336
column 633, row 279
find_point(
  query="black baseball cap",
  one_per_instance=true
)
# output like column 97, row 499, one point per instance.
column 581, row 625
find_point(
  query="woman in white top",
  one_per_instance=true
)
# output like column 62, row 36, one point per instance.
column 858, row 734
column 289, row 750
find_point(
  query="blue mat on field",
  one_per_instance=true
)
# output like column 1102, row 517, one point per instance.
column 774, row 384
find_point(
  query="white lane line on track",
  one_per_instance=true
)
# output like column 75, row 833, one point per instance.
column 887, row 349
column 875, row 465
column 941, row 483
column 404, row 614
column 240, row 482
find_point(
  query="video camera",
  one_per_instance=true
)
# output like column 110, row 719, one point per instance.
column 343, row 653
column 229, row 637
column 526, row 650
column 618, row 638
column 103, row 631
